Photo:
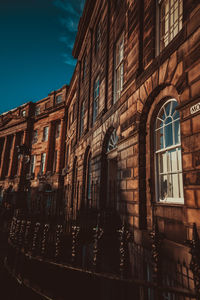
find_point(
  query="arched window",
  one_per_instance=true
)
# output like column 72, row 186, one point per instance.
column 168, row 161
column 112, row 143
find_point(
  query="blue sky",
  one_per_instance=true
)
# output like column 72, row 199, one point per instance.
column 37, row 38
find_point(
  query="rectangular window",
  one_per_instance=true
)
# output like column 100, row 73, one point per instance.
column 35, row 137
column 54, row 161
column 82, row 117
column 37, row 110
column 23, row 113
column 57, row 132
column 42, row 165
column 32, row 164
column 58, row 99
column 96, row 99
column 170, row 20
column 45, row 133
column 119, row 68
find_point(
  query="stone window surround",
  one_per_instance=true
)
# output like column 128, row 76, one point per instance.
column 163, row 39
column 167, row 149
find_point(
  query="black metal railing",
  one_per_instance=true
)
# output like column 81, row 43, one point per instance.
column 92, row 246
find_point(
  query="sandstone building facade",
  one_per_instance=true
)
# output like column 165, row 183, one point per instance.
column 123, row 137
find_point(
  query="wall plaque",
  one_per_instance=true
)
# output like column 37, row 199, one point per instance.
column 195, row 108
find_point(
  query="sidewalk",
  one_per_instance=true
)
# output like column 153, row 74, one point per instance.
column 9, row 288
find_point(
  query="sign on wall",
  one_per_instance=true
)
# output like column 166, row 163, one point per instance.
column 195, row 108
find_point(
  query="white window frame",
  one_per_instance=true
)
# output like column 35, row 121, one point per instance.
column 164, row 151
column 35, row 136
column 32, row 164
column 42, row 164
column 45, row 133
column 37, row 110
column 119, row 68
column 169, row 20
column 23, row 113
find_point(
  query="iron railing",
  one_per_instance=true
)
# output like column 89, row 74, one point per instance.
column 103, row 254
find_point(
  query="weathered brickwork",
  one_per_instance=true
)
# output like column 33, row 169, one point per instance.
column 105, row 149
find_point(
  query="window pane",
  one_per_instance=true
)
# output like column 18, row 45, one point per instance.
column 168, row 135
column 174, row 104
column 168, row 109
column 160, row 141
column 175, row 186
column 170, row 16
column 173, row 164
column 163, row 187
column 163, row 163
column 177, row 132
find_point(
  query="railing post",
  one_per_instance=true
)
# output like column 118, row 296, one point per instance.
column 156, row 257
column 35, row 237
column 98, row 232
column 22, row 233
column 17, row 230
column 27, row 236
column 124, row 237
column 75, row 235
column 12, row 229
column 195, row 260
column 59, row 230
column 44, row 239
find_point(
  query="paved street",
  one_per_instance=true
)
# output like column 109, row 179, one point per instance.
column 10, row 289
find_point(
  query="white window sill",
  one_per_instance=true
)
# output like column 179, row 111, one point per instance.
column 172, row 201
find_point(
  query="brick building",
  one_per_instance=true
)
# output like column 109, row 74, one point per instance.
column 122, row 139
column 136, row 149
column 32, row 137
column 15, row 129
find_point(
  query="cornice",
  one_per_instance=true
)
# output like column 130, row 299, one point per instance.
column 83, row 26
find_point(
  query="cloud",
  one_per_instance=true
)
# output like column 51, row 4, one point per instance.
column 69, row 24
column 69, row 18
column 67, row 6
column 68, row 60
